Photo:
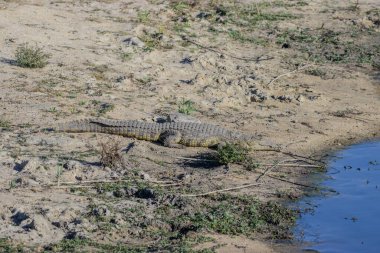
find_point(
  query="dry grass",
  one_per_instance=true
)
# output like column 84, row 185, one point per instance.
column 110, row 154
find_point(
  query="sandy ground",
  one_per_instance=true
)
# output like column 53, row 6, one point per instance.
column 106, row 61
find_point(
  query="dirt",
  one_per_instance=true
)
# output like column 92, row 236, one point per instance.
column 303, row 76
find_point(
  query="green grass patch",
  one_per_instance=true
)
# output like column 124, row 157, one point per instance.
column 239, row 36
column 186, row 107
column 231, row 153
column 251, row 15
column 7, row 246
column 239, row 215
column 87, row 245
column 326, row 46
column 180, row 6
column 143, row 16
column 5, row 124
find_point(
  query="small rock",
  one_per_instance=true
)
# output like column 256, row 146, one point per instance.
column 221, row 11
column 131, row 191
column 258, row 96
column 283, row 98
column 145, row 194
column 190, row 81
column 314, row 97
column 94, row 93
column 145, row 176
column 118, row 220
column 28, row 165
column 71, row 235
column 301, row 98
column 101, row 211
column 119, row 193
column 120, row 79
column 72, row 165
column 183, row 176
column 38, row 223
column 134, row 41
column 186, row 60
column 203, row 15
column 19, row 216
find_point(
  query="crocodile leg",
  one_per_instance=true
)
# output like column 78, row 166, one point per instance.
column 171, row 139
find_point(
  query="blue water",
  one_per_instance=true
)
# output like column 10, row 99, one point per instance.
column 348, row 221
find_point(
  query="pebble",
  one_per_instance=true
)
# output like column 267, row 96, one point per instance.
column 134, row 41
column 283, row 98
column 101, row 211
column 72, row 165
column 258, row 96
column 27, row 165
column 145, row 176
column 203, row 15
column 301, row 98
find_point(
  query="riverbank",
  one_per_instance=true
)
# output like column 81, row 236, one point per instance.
column 295, row 74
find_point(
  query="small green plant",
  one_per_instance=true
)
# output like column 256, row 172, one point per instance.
column 106, row 107
column 180, row 6
column 238, row 36
column 59, row 173
column 231, row 153
column 52, row 110
column 12, row 184
column 354, row 6
column 5, row 124
column 31, row 56
column 186, row 107
column 251, row 15
column 125, row 56
column 145, row 80
column 7, row 246
column 181, row 27
column 143, row 16
column 151, row 41
column 102, row 107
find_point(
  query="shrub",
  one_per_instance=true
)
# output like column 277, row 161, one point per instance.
column 31, row 56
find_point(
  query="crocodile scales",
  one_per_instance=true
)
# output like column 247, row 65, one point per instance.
column 171, row 134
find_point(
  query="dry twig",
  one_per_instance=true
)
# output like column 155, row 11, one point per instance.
column 222, row 190
column 255, row 59
column 289, row 73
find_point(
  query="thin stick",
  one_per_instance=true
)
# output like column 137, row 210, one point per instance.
column 294, row 155
column 260, row 164
column 293, row 165
column 256, row 59
column 222, row 190
column 291, row 72
column 194, row 159
column 270, row 168
column 290, row 182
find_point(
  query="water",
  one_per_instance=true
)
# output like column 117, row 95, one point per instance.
column 348, row 221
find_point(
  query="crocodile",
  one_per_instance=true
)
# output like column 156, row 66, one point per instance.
column 170, row 134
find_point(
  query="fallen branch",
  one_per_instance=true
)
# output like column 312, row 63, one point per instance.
column 256, row 59
column 270, row 168
column 290, row 182
column 222, row 190
column 291, row 72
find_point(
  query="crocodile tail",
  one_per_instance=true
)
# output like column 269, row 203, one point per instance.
column 78, row 126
